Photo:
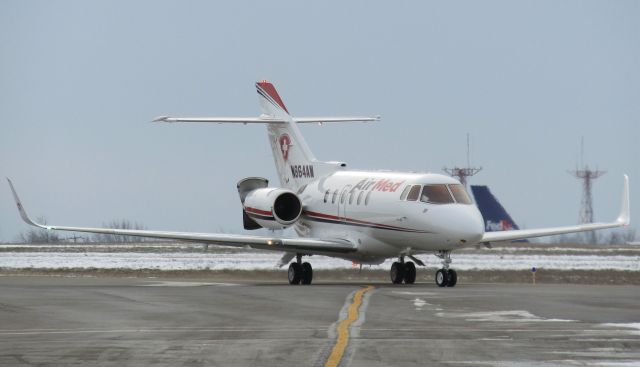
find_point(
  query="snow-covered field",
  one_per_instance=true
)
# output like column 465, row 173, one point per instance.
column 192, row 257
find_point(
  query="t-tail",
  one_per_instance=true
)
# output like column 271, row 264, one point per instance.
column 495, row 215
column 295, row 163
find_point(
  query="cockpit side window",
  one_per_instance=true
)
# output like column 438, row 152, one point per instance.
column 460, row 194
column 414, row 193
column 436, row 194
column 405, row 192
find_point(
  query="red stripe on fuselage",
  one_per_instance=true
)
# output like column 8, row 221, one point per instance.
column 357, row 221
column 257, row 211
column 271, row 91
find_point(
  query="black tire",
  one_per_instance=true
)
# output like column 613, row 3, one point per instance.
column 409, row 272
column 453, row 278
column 442, row 278
column 397, row 272
column 294, row 273
column 307, row 273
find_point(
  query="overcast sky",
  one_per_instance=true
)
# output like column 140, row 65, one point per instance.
column 80, row 81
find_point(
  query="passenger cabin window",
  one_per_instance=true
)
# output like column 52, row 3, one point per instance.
column 405, row 192
column 414, row 193
column 436, row 194
column 335, row 195
column 360, row 197
column 326, row 195
column 460, row 194
column 351, row 195
column 343, row 195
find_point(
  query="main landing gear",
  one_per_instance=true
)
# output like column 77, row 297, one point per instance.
column 446, row 277
column 300, row 272
column 403, row 271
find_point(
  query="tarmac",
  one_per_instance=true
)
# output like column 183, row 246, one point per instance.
column 111, row 321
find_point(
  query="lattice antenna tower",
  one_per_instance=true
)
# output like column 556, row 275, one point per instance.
column 587, row 176
column 463, row 172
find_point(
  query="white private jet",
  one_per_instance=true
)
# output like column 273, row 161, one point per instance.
column 362, row 216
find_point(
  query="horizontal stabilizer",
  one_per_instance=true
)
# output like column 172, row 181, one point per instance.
column 264, row 120
column 321, row 120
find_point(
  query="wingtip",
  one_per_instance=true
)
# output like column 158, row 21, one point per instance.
column 625, row 211
column 13, row 190
column 23, row 213
column 160, row 119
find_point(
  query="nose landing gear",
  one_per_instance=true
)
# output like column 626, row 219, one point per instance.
column 446, row 277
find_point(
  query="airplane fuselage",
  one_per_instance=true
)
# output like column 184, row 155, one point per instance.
column 372, row 210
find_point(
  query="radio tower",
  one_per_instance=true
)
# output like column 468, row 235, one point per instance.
column 463, row 173
column 587, row 176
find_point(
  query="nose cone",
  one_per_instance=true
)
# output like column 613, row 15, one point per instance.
column 471, row 226
column 460, row 224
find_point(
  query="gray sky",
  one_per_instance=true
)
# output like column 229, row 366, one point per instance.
column 80, row 80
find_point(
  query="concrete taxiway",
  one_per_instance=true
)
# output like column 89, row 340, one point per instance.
column 58, row 321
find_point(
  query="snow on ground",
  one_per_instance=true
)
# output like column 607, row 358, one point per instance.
column 481, row 260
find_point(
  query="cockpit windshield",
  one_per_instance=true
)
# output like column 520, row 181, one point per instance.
column 436, row 194
column 460, row 194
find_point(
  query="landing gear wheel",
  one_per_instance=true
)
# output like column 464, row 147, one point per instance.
column 409, row 272
column 397, row 272
column 295, row 273
column 442, row 278
column 307, row 273
column 453, row 278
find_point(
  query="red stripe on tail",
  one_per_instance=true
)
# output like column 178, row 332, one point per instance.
column 271, row 91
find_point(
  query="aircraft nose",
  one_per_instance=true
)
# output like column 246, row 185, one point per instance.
column 468, row 226
column 475, row 226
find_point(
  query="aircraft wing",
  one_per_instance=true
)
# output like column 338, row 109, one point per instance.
column 303, row 245
column 264, row 119
column 622, row 220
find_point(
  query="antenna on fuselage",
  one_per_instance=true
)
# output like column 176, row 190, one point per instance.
column 463, row 172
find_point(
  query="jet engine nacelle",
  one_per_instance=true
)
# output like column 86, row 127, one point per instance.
column 273, row 208
column 264, row 207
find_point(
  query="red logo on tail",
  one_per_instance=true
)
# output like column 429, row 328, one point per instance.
column 285, row 144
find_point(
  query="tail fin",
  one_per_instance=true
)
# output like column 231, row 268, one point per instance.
column 295, row 163
column 495, row 216
column 270, row 100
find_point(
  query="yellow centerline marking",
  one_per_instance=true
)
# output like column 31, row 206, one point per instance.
column 343, row 329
